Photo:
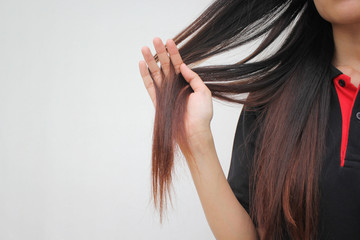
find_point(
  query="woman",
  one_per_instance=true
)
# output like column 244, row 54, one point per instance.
column 295, row 168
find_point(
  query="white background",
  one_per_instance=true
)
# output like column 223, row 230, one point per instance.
column 76, row 122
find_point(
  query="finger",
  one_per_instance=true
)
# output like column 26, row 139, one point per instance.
column 174, row 55
column 150, row 61
column 148, row 81
column 193, row 79
column 163, row 55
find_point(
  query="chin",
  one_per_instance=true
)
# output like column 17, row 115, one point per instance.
column 339, row 11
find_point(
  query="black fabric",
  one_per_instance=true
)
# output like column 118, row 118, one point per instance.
column 339, row 213
column 242, row 153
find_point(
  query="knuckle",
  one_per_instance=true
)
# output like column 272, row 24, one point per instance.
column 149, row 85
column 207, row 91
column 157, row 75
column 165, row 64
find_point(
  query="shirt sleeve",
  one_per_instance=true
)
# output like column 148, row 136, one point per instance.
column 241, row 158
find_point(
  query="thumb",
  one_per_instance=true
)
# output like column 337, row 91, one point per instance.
column 192, row 78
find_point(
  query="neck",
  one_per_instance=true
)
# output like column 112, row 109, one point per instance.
column 347, row 46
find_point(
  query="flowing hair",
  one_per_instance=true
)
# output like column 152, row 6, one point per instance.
column 290, row 89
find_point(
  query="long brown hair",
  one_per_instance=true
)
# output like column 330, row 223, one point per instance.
column 290, row 89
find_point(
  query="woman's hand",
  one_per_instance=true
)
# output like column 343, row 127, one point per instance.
column 199, row 110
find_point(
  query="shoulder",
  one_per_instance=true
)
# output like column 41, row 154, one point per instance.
column 249, row 121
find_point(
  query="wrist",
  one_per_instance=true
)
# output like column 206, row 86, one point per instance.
column 201, row 140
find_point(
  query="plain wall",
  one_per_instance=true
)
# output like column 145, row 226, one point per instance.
column 76, row 122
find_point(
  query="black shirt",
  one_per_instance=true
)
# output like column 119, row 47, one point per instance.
column 339, row 213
